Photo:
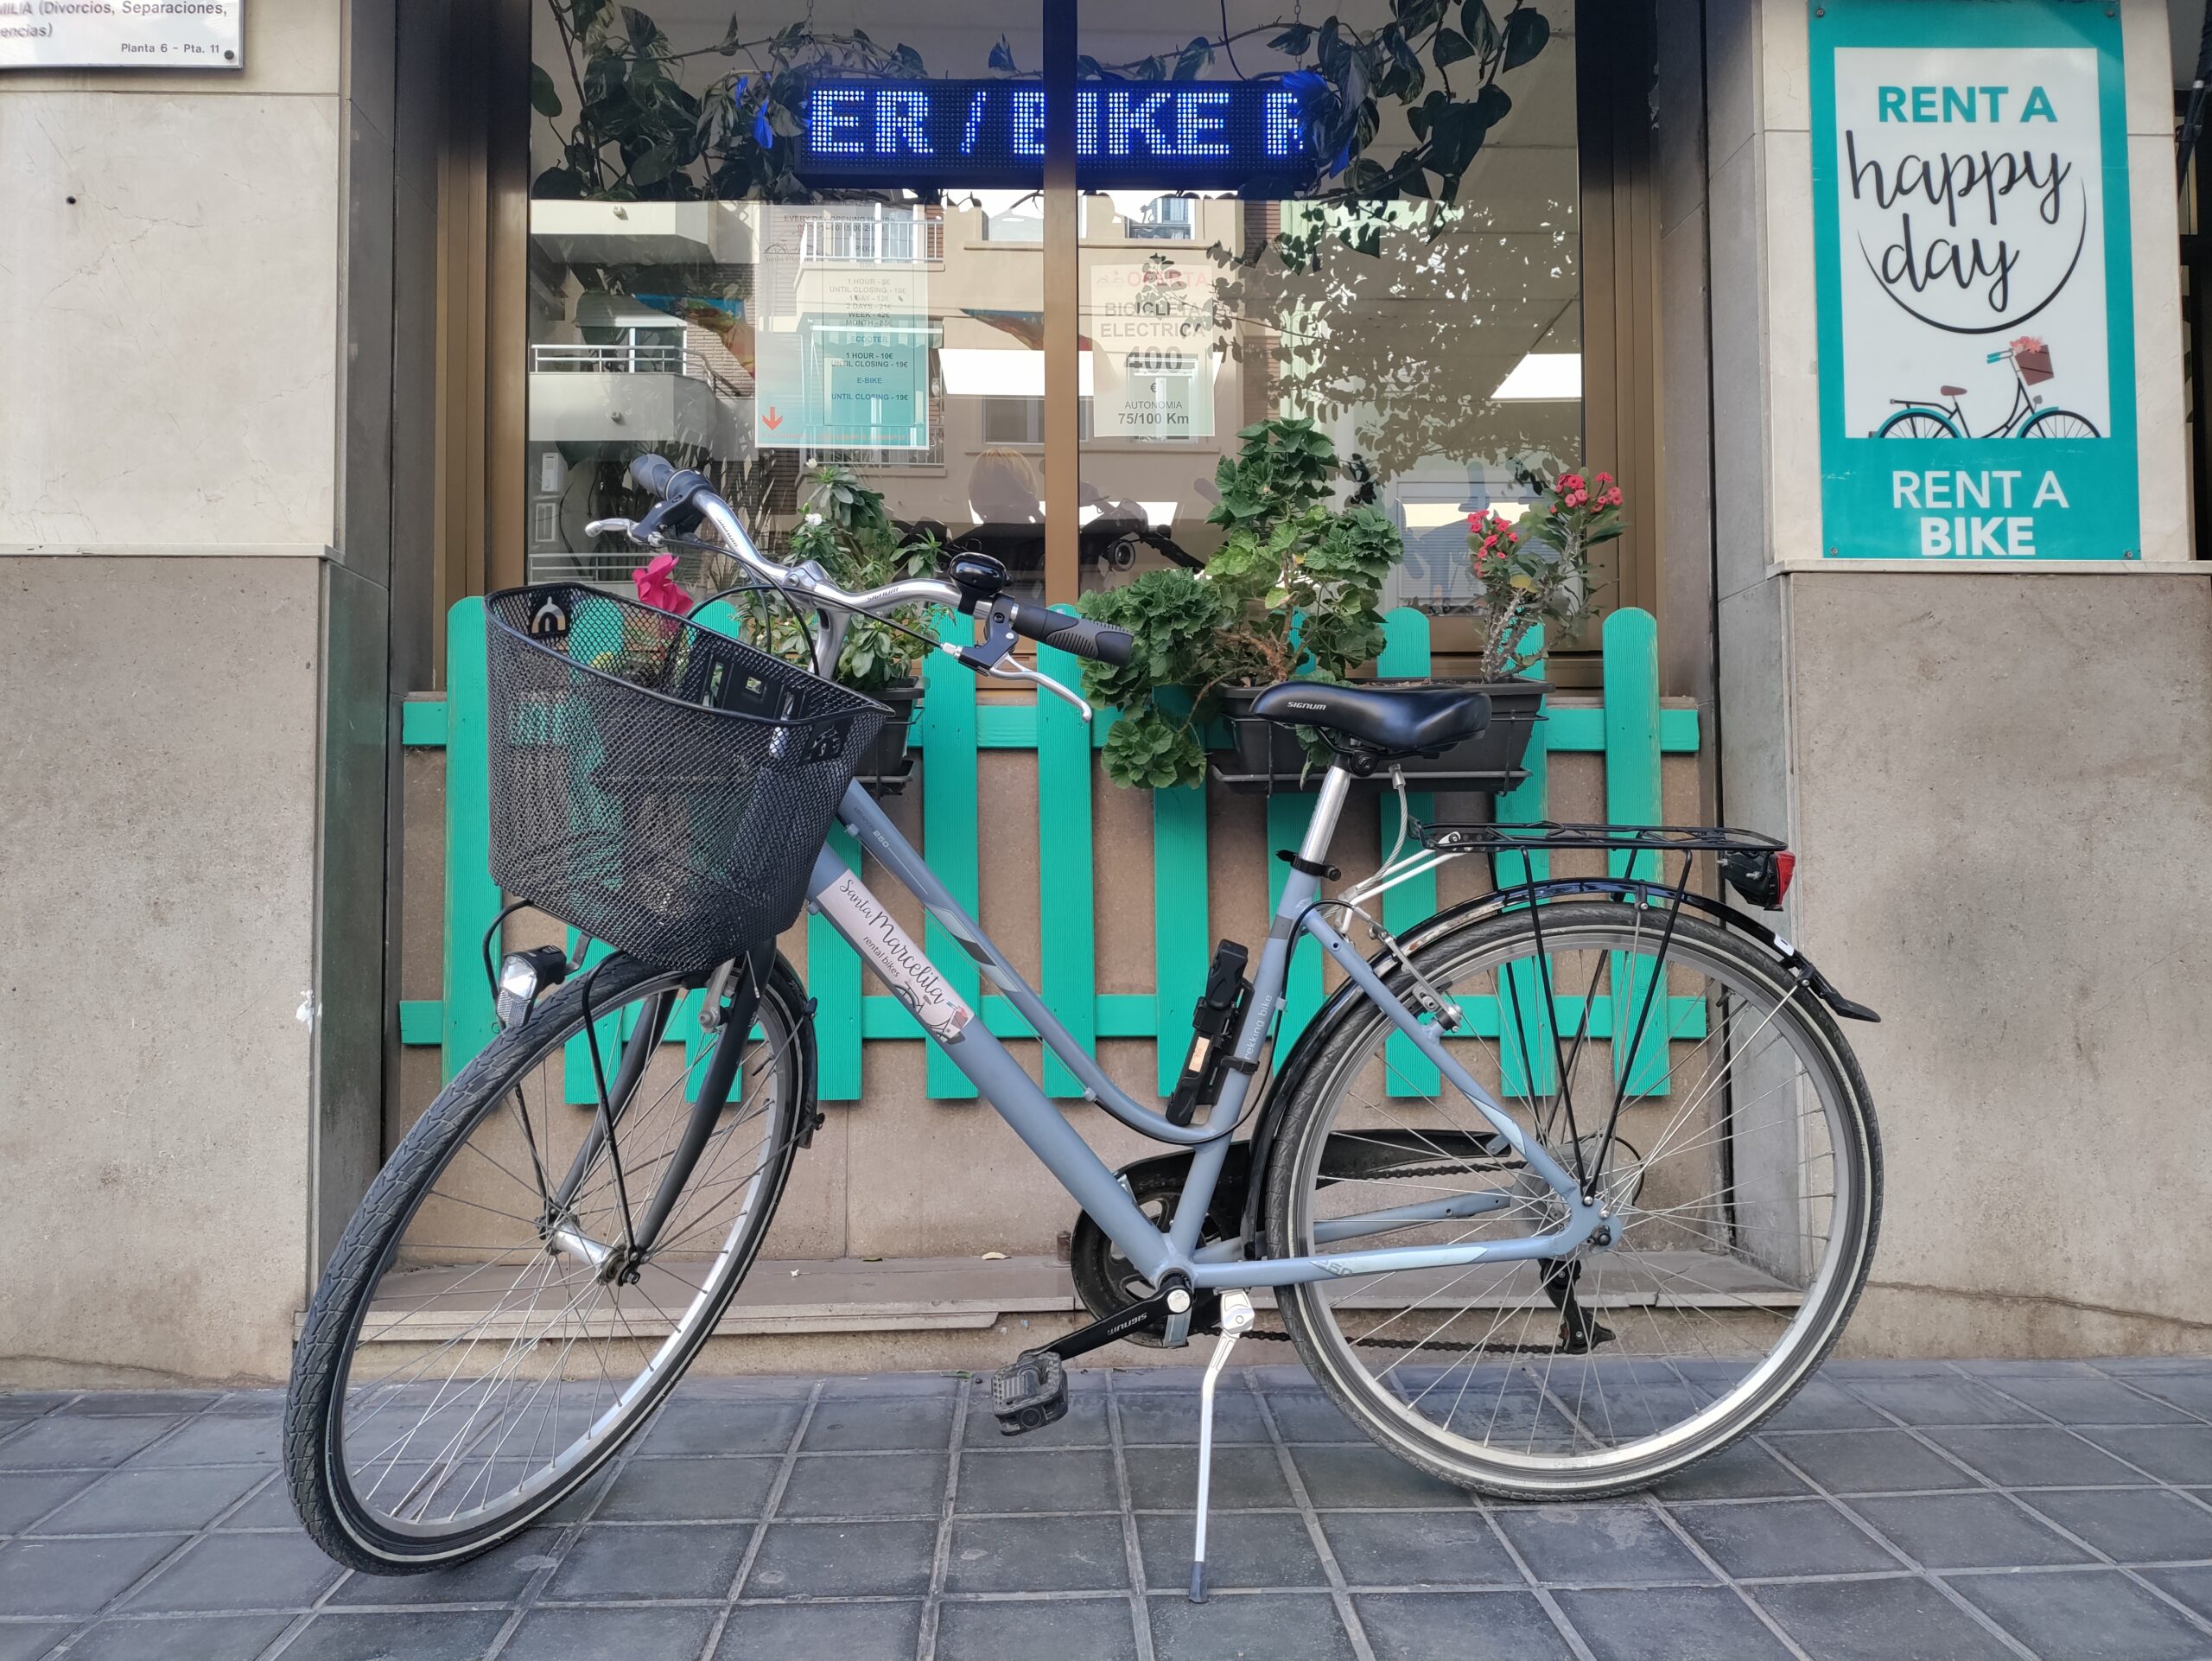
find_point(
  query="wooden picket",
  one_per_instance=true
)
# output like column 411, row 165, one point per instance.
column 1631, row 730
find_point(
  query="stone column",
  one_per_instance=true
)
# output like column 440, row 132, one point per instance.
column 197, row 473
column 2000, row 783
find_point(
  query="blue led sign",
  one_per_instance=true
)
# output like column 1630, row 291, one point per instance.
column 1244, row 134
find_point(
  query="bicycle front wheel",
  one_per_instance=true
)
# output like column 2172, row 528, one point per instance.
column 1709, row 1099
column 485, row 1338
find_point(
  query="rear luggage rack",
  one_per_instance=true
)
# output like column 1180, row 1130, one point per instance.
column 1549, row 834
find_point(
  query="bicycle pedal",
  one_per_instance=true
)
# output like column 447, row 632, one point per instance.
column 1029, row 1392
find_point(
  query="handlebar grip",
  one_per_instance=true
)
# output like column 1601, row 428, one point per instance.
column 650, row 473
column 1080, row 635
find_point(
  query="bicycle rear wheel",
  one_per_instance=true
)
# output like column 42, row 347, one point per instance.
column 478, row 1345
column 1743, row 1171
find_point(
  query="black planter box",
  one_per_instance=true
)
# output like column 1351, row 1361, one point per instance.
column 1269, row 758
column 889, row 763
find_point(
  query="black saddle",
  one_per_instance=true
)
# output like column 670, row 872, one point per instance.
column 1388, row 720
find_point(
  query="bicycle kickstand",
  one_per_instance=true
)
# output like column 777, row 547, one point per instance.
column 1236, row 1317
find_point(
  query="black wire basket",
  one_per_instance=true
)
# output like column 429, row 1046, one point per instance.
column 655, row 785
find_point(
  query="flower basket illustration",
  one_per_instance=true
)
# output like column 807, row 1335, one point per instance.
column 2033, row 358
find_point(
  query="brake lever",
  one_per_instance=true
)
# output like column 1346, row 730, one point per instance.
column 1006, row 669
column 620, row 527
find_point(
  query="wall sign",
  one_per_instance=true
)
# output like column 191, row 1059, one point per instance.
column 841, row 344
column 121, row 34
column 1151, row 351
column 1977, row 337
column 1174, row 135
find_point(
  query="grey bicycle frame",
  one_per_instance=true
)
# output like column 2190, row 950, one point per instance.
column 1151, row 1250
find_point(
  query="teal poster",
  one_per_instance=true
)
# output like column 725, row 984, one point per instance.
column 1977, row 365
column 843, row 341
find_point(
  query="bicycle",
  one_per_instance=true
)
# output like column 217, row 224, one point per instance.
column 1561, row 1191
column 1925, row 418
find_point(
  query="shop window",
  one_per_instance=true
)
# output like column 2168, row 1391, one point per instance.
column 1425, row 306
column 1434, row 331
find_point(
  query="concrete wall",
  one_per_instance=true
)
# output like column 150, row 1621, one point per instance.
column 1998, row 782
column 197, row 564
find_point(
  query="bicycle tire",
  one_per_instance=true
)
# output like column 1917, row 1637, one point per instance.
column 323, row 1489
column 1912, row 421
column 2052, row 423
column 1312, row 1321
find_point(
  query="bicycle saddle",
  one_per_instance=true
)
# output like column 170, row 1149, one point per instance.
column 1395, row 720
column 1953, row 391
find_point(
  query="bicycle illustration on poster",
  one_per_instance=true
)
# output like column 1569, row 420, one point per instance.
column 1971, row 242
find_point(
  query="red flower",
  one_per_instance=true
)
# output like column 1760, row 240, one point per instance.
column 657, row 586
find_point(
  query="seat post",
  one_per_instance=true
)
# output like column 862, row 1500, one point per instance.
column 1328, row 806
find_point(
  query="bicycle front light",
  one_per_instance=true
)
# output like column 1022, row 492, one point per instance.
column 522, row 976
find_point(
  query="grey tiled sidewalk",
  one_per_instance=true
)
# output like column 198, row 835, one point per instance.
column 1947, row 1511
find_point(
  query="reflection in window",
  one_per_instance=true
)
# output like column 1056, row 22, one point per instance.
column 1423, row 303
column 1021, row 420
column 688, row 296
column 1427, row 313
column 1162, row 219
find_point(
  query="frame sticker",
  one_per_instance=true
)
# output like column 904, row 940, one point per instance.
column 913, row 979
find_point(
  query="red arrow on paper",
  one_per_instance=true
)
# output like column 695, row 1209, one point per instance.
column 771, row 420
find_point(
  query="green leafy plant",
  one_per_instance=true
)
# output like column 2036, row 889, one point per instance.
column 849, row 533
column 1293, row 593
column 1535, row 570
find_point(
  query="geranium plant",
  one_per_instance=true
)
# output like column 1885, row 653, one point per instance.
column 1536, row 569
column 1293, row 593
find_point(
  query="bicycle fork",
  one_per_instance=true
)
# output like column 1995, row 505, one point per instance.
column 622, row 1260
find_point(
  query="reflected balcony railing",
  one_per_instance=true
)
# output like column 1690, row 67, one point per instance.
column 904, row 239
column 571, row 357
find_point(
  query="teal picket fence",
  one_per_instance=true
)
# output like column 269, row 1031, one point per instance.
column 1630, row 730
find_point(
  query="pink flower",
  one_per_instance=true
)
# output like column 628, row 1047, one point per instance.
column 1605, row 478
column 657, row 587
column 1571, row 483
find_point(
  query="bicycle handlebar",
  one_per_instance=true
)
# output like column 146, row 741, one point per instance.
column 684, row 492
column 1080, row 635
column 651, row 474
